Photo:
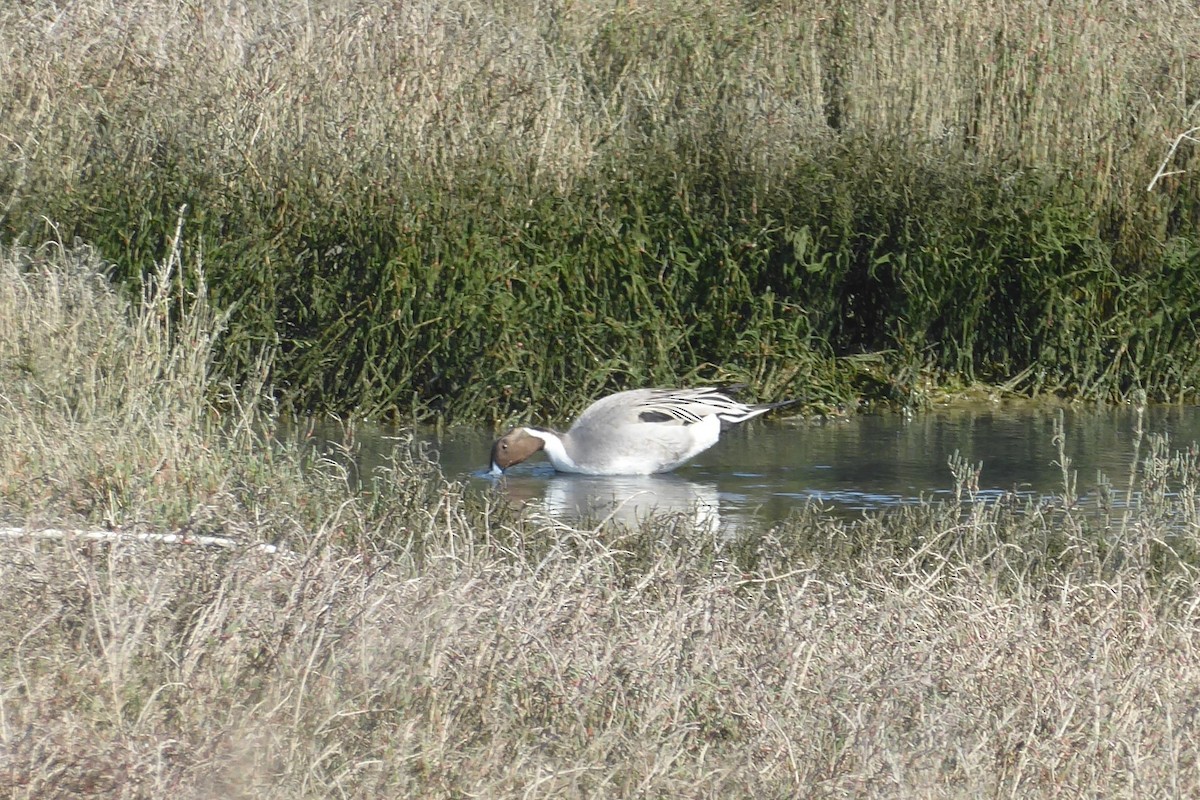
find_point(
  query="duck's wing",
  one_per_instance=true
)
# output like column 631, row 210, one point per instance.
column 668, row 407
column 689, row 406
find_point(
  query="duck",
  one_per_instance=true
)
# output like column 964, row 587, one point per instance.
column 634, row 432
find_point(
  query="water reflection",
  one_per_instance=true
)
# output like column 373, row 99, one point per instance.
column 623, row 500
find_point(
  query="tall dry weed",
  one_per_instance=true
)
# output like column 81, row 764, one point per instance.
column 1088, row 86
column 107, row 403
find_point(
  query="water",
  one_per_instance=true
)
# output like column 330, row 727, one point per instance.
column 765, row 470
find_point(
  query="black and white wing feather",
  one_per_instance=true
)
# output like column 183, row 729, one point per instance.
column 690, row 406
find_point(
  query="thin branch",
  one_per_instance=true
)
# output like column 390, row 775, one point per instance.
column 1162, row 173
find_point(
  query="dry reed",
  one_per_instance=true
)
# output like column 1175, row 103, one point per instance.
column 1099, row 87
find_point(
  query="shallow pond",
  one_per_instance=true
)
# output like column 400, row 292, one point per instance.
column 764, row 470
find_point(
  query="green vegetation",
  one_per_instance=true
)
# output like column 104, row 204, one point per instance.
column 469, row 210
column 422, row 640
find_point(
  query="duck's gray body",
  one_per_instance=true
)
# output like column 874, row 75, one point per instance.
column 637, row 432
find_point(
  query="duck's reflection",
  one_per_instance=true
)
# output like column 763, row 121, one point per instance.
column 628, row 501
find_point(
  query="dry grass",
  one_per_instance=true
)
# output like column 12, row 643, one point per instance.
column 500, row 669
column 1097, row 87
column 421, row 641
column 106, row 410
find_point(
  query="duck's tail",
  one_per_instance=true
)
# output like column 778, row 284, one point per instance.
column 747, row 412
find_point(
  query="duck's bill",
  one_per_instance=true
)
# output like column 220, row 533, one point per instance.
column 495, row 470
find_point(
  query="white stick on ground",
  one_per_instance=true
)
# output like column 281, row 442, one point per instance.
column 121, row 536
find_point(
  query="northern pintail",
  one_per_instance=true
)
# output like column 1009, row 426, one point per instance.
column 638, row 432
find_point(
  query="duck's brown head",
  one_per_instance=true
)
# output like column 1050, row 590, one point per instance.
column 513, row 448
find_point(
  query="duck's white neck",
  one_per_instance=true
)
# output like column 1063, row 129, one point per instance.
column 555, row 449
